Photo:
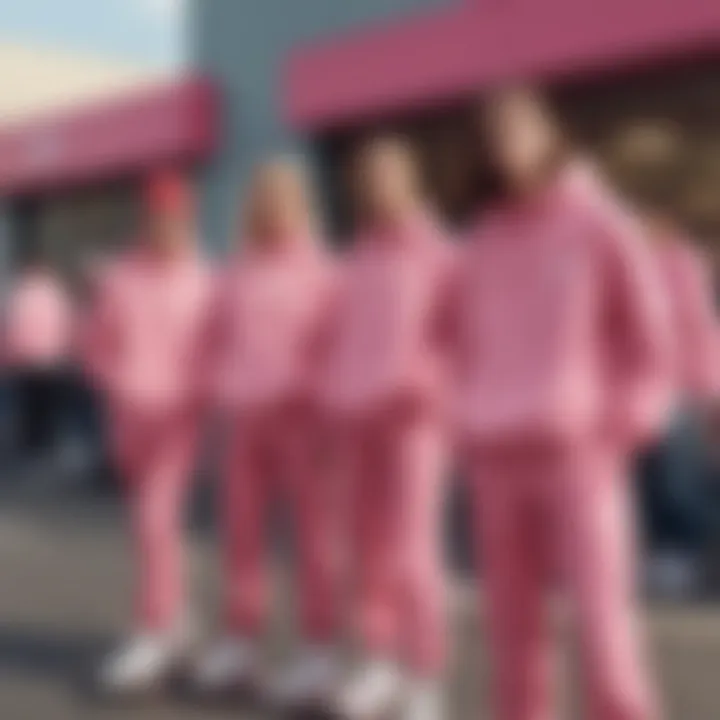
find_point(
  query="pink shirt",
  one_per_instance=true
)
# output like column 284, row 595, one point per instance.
column 561, row 329
column 385, row 343
column 694, row 321
column 144, row 332
column 266, row 324
column 38, row 321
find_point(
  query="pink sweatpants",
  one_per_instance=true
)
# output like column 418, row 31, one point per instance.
column 156, row 457
column 275, row 459
column 540, row 515
column 395, row 468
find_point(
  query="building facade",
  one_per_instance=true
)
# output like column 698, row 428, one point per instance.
column 638, row 80
column 245, row 47
column 313, row 75
column 70, row 179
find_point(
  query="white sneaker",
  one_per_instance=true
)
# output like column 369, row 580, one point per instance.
column 142, row 662
column 373, row 689
column 423, row 701
column 228, row 664
column 311, row 678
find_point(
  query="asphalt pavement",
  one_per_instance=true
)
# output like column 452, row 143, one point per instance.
column 64, row 579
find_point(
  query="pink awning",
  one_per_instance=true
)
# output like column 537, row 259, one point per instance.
column 172, row 123
column 444, row 53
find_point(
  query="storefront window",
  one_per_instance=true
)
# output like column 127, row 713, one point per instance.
column 73, row 228
column 657, row 134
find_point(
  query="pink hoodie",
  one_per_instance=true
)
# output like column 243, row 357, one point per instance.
column 385, row 344
column 562, row 333
column 266, row 323
column 694, row 322
column 144, row 331
column 38, row 321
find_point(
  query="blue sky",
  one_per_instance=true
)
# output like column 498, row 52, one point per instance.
column 149, row 32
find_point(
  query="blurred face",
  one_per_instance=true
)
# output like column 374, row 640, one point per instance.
column 279, row 208
column 168, row 232
column 386, row 181
column 522, row 138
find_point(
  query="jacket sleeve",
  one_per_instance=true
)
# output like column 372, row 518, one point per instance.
column 699, row 325
column 446, row 319
column 9, row 311
column 637, row 337
column 97, row 331
column 212, row 343
column 326, row 325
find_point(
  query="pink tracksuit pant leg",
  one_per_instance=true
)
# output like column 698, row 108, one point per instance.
column 274, row 458
column 537, row 514
column 395, row 504
column 157, row 458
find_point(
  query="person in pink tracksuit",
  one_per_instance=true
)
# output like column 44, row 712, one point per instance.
column 36, row 348
column 142, row 340
column 265, row 343
column 38, row 320
column 384, row 385
column 690, row 294
column 562, row 356
column 673, row 471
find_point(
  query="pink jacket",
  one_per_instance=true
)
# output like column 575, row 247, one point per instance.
column 142, row 339
column 562, row 333
column 385, row 343
column 266, row 323
column 694, row 322
column 38, row 321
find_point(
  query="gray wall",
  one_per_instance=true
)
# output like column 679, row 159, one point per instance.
column 242, row 44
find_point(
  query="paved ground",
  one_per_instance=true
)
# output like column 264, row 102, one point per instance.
column 63, row 580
